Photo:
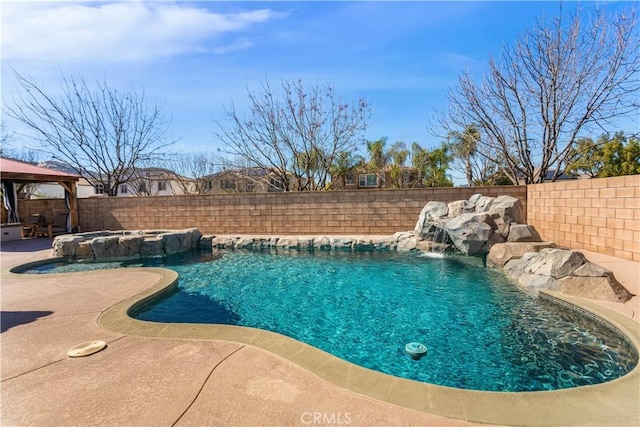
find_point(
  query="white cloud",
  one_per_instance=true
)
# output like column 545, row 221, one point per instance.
column 457, row 61
column 118, row 32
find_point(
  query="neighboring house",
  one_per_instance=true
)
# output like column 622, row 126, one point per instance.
column 245, row 180
column 52, row 190
column 155, row 182
column 549, row 176
column 146, row 182
column 404, row 177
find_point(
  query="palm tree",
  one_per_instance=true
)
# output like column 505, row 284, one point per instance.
column 344, row 164
column 378, row 158
column 398, row 154
column 432, row 165
column 464, row 145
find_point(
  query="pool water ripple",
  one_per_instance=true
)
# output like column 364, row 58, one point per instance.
column 481, row 331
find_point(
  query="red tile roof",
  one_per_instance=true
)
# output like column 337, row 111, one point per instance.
column 21, row 171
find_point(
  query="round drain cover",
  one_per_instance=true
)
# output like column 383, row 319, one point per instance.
column 87, row 348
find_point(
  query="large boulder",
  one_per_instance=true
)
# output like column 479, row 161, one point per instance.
column 557, row 263
column 506, row 210
column 535, row 282
column 151, row 247
column 493, row 240
column 594, row 273
column 195, row 236
column 84, row 251
column 459, row 207
column 517, row 266
column 408, row 244
column 483, row 203
column 523, row 233
column 66, row 245
column 105, row 247
column 501, row 253
column 129, row 246
column 470, row 232
column 474, row 199
column 566, row 272
column 430, row 212
column 602, row 288
column 175, row 242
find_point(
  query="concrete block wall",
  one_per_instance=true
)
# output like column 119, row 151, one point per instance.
column 599, row 215
column 331, row 212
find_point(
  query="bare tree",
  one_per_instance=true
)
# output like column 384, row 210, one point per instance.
column 558, row 80
column 192, row 169
column 7, row 148
column 5, row 139
column 295, row 134
column 102, row 132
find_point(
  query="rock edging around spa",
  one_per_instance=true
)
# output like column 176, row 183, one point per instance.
column 125, row 244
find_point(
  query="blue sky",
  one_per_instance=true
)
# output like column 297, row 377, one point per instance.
column 197, row 57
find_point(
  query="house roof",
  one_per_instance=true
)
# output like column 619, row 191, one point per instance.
column 159, row 174
column 15, row 170
column 251, row 171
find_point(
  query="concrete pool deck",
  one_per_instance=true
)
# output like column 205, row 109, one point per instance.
column 146, row 380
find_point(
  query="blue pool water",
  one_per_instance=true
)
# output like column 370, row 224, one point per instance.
column 481, row 331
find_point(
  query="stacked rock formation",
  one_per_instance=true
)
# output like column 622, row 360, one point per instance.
column 559, row 270
column 473, row 226
column 494, row 226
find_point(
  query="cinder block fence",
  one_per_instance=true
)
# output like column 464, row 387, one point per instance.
column 331, row 212
column 600, row 215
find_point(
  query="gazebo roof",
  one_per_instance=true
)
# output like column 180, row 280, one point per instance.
column 15, row 170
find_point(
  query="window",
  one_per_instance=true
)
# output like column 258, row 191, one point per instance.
column 368, row 180
column 350, row 179
column 228, row 184
column 124, row 189
column 207, row 185
column 142, row 188
column 99, row 187
column 162, row 185
column 276, row 183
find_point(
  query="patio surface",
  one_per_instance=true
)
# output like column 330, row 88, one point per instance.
column 141, row 380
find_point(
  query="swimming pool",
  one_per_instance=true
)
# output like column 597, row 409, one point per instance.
column 481, row 332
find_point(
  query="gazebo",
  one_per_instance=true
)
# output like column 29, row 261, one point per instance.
column 15, row 175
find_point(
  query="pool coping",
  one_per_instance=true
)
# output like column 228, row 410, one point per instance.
column 615, row 402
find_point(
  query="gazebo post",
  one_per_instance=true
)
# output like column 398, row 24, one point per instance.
column 70, row 187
